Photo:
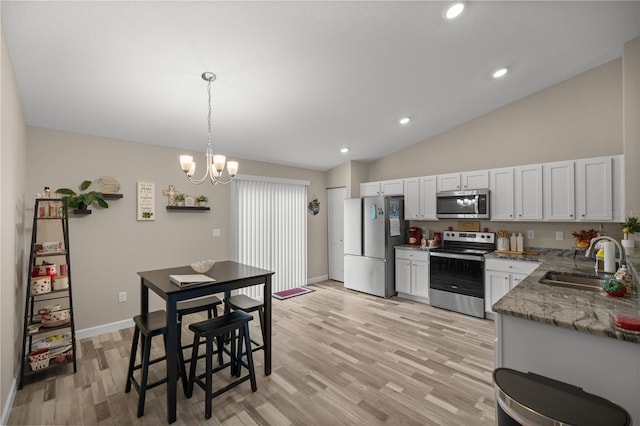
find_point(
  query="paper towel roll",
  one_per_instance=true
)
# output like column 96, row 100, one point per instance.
column 609, row 257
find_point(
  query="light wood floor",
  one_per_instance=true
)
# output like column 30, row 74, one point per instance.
column 340, row 358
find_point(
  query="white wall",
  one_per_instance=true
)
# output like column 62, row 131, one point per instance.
column 578, row 118
column 12, row 238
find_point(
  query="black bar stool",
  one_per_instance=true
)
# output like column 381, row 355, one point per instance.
column 219, row 328
column 192, row 306
column 242, row 302
column 150, row 325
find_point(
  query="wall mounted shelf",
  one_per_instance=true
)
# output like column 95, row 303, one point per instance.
column 187, row 209
column 81, row 212
column 112, row 196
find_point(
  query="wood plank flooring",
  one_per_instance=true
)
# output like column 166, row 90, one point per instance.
column 340, row 358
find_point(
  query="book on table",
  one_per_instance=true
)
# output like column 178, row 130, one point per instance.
column 188, row 280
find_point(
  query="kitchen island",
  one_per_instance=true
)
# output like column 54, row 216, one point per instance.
column 568, row 334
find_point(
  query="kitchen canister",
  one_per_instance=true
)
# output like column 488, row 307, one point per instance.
column 503, row 244
column 61, row 282
column 41, row 285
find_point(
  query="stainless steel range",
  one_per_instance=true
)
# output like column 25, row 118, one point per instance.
column 456, row 270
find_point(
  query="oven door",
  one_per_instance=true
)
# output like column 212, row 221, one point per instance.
column 457, row 273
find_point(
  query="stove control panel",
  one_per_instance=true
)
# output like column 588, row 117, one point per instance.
column 469, row 237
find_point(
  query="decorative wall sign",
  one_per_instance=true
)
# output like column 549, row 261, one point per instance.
column 146, row 201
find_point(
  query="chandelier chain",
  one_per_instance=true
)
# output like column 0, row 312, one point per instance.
column 209, row 114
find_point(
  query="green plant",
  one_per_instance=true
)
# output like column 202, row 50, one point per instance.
column 82, row 200
column 202, row 199
column 630, row 226
column 180, row 197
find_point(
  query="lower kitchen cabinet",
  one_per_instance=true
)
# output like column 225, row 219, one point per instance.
column 501, row 275
column 412, row 274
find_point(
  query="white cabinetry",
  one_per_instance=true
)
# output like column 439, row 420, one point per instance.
column 559, row 191
column 464, row 181
column 450, row 182
column 528, row 192
column 412, row 274
column 501, row 191
column 385, row 187
column 502, row 275
column 475, row 180
column 594, row 190
column 420, row 198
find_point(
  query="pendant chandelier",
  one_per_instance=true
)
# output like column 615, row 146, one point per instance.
column 215, row 162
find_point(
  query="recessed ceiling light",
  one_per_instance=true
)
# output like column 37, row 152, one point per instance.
column 500, row 72
column 344, row 150
column 454, row 10
column 404, row 120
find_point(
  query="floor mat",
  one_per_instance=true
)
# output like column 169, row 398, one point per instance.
column 285, row 294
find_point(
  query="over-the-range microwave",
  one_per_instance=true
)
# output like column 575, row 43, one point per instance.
column 463, row 204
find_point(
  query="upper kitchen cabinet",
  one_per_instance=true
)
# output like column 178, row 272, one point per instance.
column 594, row 189
column 420, row 198
column 559, row 192
column 528, row 192
column 385, row 187
column 464, row 181
column 501, row 192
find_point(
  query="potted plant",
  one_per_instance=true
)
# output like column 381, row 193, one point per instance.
column 82, row 200
column 584, row 237
column 180, row 200
column 202, row 200
column 630, row 226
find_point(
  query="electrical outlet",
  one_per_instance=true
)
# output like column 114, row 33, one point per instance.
column 530, row 234
column 559, row 235
column 122, row 297
column 216, row 232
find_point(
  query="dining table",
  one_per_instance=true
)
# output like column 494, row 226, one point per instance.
column 226, row 276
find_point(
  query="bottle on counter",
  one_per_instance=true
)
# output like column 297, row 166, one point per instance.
column 513, row 244
column 520, row 242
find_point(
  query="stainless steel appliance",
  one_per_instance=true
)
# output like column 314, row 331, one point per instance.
column 373, row 226
column 463, row 204
column 456, row 271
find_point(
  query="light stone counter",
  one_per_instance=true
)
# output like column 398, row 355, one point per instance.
column 584, row 311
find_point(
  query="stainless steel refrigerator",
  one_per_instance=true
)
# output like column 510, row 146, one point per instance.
column 373, row 226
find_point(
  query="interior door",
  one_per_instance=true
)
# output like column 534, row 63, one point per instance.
column 335, row 228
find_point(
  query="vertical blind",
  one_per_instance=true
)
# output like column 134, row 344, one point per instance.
column 270, row 229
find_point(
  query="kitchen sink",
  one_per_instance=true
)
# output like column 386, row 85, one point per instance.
column 578, row 281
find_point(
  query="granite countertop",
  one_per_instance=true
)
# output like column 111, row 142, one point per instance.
column 584, row 311
column 411, row 247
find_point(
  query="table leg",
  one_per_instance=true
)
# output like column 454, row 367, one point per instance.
column 267, row 325
column 144, row 297
column 172, row 359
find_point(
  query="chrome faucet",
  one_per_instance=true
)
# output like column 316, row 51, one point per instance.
column 592, row 244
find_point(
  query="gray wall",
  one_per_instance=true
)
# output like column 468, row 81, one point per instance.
column 12, row 203
column 109, row 246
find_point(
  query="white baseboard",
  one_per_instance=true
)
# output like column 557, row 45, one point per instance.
column 317, row 279
column 8, row 404
column 105, row 328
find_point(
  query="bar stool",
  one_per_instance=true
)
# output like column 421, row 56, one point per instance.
column 192, row 306
column 150, row 325
column 218, row 328
column 245, row 303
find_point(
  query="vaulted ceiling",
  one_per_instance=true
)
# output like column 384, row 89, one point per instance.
column 296, row 81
